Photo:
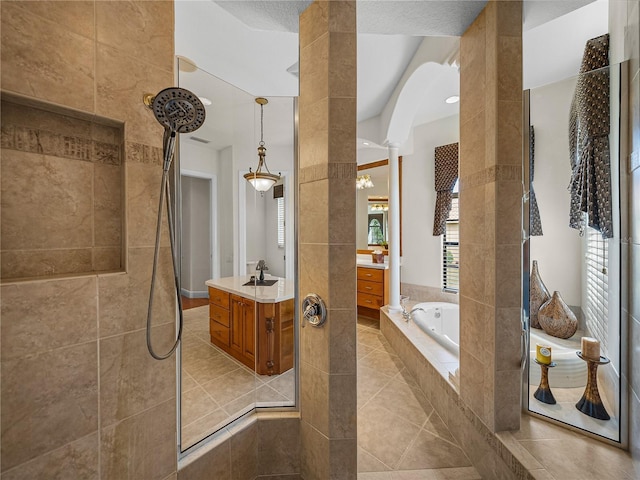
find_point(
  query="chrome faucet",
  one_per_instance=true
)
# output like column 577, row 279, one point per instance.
column 405, row 315
column 262, row 266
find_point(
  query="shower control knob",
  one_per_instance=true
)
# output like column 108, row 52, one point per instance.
column 314, row 311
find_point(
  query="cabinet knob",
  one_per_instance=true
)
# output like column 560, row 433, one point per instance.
column 369, row 301
column 369, row 275
column 368, row 288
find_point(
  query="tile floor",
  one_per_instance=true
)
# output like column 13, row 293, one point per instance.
column 216, row 388
column 400, row 436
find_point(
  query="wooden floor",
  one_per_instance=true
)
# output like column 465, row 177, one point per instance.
column 188, row 303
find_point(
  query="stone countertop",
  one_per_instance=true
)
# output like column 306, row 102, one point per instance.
column 366, row 261
column 278, row 292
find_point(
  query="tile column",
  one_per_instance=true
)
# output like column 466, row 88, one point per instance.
column 326, row 248
column 491, row 214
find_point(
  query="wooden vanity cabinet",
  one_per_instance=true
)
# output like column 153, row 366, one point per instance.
column 243, row 338
column 373, row 290
column 219, row 318
column 260, row 335
column 275, row 337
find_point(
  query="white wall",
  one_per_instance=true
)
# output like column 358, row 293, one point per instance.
column 274, row 255
column 226, row 180
column 255, row 218
column 421, row 251
column 559, row 250
column 196, row 228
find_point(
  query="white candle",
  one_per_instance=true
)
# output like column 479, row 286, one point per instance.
column 590, row 348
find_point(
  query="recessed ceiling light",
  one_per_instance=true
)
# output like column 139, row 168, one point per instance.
column 205, row 101
column 453, row 99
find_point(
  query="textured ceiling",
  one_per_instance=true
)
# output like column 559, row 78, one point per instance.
column 422, row 18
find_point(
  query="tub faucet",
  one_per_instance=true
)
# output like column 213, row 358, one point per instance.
column 405, row 315
column 416, row 309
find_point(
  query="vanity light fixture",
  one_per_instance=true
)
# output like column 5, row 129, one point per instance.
column 453, row 99
column 261, row 180
column 364, row 181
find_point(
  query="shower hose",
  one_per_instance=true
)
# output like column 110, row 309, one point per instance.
column 165, row 195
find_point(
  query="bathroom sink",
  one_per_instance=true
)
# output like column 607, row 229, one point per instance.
column 265, row 283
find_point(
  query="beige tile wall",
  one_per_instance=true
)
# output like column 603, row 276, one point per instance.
column 326, row 244
column 491, row 191
column 81, row 397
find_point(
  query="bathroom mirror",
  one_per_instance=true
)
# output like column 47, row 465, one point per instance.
column 238, row 349
column 371, row 223
column 581, row 271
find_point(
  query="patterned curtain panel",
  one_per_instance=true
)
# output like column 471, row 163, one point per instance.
column 446, row 159
column 590, row 186
column 535, row 225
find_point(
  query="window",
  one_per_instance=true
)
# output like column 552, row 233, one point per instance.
column 376, row 236
column 597, row 298
column 451, row 247
column 280, row 222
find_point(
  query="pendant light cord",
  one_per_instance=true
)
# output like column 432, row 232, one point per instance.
column 261, row 125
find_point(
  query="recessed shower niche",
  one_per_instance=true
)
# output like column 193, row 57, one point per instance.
column 61, row 191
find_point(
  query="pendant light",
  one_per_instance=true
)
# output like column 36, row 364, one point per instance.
column 261, row 180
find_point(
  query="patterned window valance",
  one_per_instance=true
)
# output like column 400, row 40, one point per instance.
column 446, row 174
column 535, row 224
column 589, row 123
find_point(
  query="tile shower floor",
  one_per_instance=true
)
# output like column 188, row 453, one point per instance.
column 216, row 387
column 400, row 436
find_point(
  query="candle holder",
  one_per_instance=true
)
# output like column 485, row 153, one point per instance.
column 591, row 403
column 543, row 393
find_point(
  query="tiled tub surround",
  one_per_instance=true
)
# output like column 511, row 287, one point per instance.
column 538, row 450
column 65, row 216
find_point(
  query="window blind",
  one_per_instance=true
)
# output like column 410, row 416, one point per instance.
column 597, row 285
column 451, row 249
column 280, row 222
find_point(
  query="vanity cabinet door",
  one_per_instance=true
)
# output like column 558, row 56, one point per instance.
column 243, row 330
column 249, row 332
column 237, row 319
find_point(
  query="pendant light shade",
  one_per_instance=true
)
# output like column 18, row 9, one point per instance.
column 262, row 179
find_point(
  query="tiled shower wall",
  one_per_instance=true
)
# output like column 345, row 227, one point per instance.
column 81, row 397
column 65, row 216
column 326, row 239
column 490, row 222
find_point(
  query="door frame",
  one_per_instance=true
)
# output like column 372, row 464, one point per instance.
column 214, row 254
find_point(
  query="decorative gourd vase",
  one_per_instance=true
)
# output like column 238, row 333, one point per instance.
column 538, row 295
column 556, row 318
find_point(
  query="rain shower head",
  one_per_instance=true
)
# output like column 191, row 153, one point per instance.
column 177, row 109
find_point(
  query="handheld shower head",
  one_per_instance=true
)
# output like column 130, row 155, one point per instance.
column 177, row 109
